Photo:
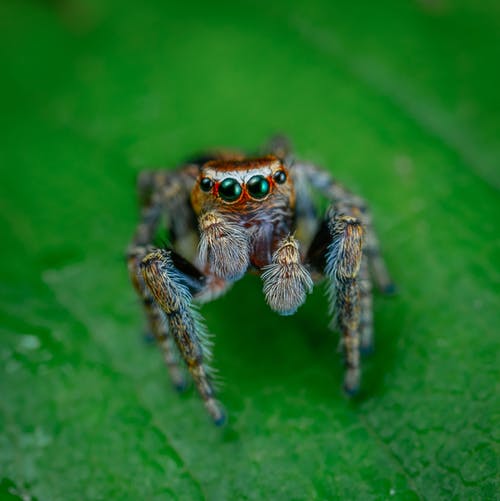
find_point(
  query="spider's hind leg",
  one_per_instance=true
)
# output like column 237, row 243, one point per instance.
column 366, row 307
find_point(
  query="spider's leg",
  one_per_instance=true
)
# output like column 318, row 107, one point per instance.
column 337, row 253
column 351, row 295
column 156, row 319
column 366, row 306
column 171, row 288
column 343, row 261
column 306, row 214
column 286, row 280
column 153, row 189
column 278, row 145
column 170, row 192
column 375, row 260
column 321, row 180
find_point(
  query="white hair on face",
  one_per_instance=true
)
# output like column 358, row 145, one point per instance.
column 241, row 175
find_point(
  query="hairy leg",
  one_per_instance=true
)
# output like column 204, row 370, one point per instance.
column 343, row 260
column 171, row 191
column 159, row 192
column 171, row 292
column 374, row 257
column 279, row 146
column 322, row 181
column 306, row 213
column 151, row 209
column 366, row 307
column 156, row 321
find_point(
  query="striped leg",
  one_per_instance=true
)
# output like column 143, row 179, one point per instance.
column 172, row 294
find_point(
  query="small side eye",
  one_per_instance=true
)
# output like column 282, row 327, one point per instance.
column 206, row 184
column 279, row 177
column 230, row 190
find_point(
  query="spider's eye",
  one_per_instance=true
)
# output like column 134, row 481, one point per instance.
column 230, row 189
column 258, row 186
column 280, row 176
column 206, row 184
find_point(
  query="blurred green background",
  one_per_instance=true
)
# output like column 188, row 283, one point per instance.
column 399, row 99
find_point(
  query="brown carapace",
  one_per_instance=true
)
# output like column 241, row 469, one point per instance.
column 226, row 215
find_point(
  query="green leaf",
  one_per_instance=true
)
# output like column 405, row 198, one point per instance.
column 400, row 101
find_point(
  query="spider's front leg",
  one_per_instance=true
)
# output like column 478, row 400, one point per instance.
column 158, row 191
column 337, row 252
column 171, row 288
column 156, row 318
column 321, row 180
column 343, row 261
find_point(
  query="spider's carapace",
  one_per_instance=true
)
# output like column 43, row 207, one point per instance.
column 257, row 194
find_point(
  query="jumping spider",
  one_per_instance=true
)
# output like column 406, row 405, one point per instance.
column 227, row 214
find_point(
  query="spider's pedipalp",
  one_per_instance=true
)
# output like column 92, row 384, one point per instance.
column 224, row 246
column 286, row 280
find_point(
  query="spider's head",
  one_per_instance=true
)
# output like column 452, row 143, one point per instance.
column 242, row 185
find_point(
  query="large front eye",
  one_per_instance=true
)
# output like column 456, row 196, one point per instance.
column 230, row 190
column 258, row 186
